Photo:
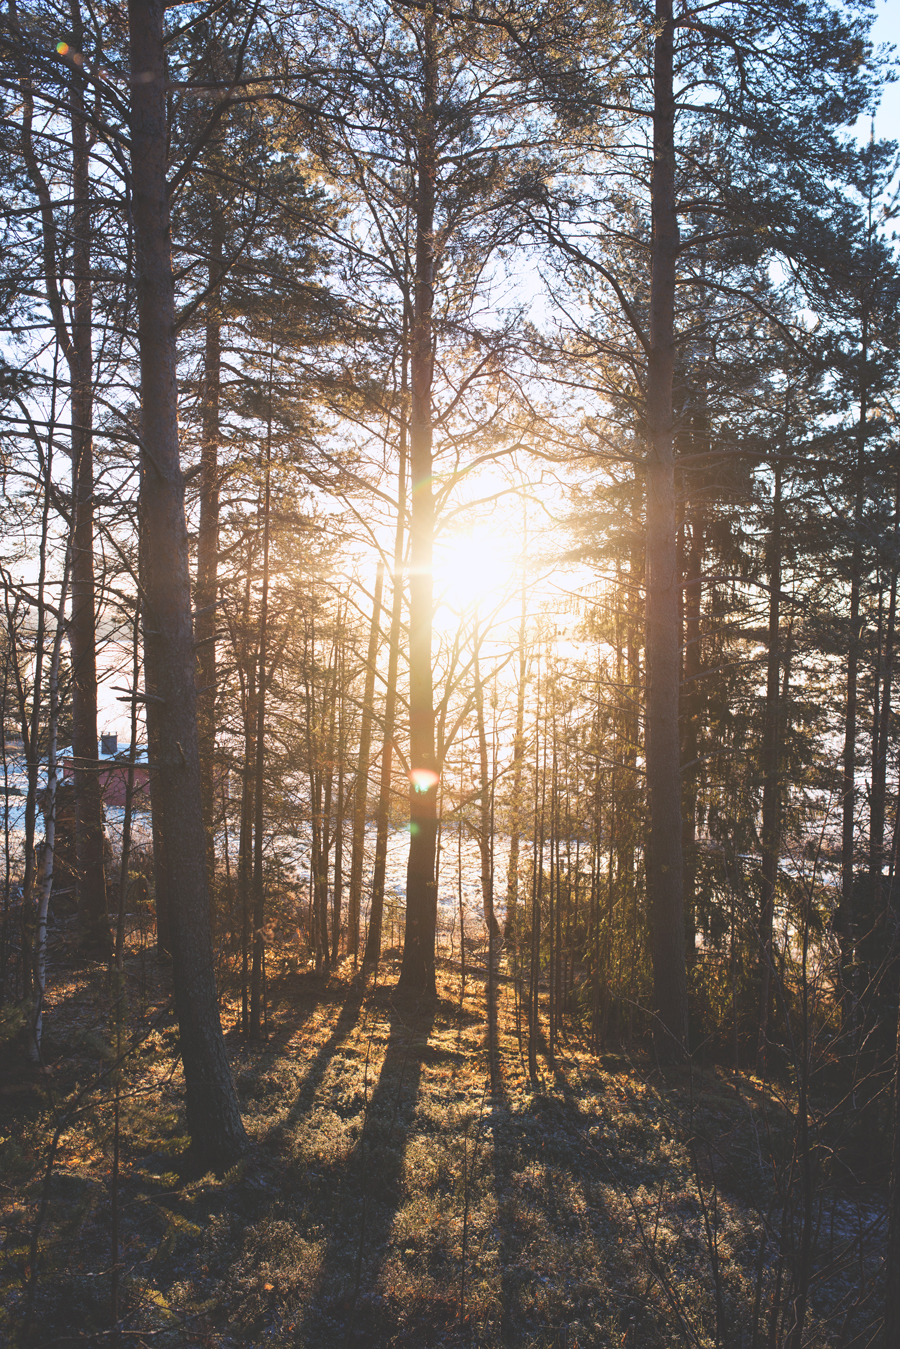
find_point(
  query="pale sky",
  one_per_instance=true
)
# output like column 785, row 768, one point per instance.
column 114, row 715
column 887, row 29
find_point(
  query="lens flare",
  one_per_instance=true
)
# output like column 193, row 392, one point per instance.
column 62, row 48
column 423, row 779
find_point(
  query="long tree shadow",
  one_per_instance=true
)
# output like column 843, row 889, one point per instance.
column 345, row 1308
column 501, row 1131
column 318, row 1066
column 537, row 1165
column 604, row 1166
column 504, row 1142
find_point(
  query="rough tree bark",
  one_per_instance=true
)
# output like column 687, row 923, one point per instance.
column 160, row 882
column 692, row 689
column 515, row 833
column 771, row 801
column 376, row 909
column 537, row 883
column 886, row 912
column 259, row 892
column 329, row 726
column 417, row 973
column 892, row 1255
column 664, row 860
column 208, row 548
column 341, row 804
column 850, row 711
column 320, row 775
column 881, row 734
column 485, row 797
column 849, row 933
column 213, row 1115
column 91, row 882
column 246, row 668
column 361, row 795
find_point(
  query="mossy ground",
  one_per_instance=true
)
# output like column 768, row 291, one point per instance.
column 391, row 1200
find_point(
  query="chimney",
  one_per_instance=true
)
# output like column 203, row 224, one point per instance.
column 109, row 743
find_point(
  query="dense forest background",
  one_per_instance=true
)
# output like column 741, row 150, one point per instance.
column 449, row 566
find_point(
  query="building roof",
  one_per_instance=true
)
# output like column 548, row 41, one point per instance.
column 119, row 756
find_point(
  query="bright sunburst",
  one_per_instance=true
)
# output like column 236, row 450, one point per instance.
column 476, row 568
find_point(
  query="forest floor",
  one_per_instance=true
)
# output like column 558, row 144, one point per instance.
column 390, row 1199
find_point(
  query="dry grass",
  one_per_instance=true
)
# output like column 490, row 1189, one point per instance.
column 390, row 1201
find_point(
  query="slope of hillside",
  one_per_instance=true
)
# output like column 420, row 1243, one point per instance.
column 391, row 1200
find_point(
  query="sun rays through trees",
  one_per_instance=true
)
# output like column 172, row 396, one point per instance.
column 448, row 730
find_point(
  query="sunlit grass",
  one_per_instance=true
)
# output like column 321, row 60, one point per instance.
column 390, row 1201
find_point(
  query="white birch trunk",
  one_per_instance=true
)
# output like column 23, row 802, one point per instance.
column 44, row 883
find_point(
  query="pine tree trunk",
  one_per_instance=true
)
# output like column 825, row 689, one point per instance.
column 206, row 589
column 327, row 838
column 245, row 853
column 880, row 739
column 665, row 891
column 44, row 885
column 246, row 666
column 691, row 701
column 259, row 893
column 361, row 796
column 213, row 1116
column 884, row 914
column 160, row 882
column 382, row 816
column 29, row 723
column 315, row 756
column 553, row 890
column 628, row 802
column 537, row 885
column 317, row 867
column 5, row 934
column 771, row 801
column 337, row 892
column 594, row 944
column 338, row 757
column 849, row 932
column 376, row 908
column 417, row 973
column 484, row 800
column 515, row 803
column 892, row 1255
column 91, row 881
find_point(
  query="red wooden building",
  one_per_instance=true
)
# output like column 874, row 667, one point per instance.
column 114, row 773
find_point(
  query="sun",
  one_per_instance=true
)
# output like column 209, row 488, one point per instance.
column 478, row 568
